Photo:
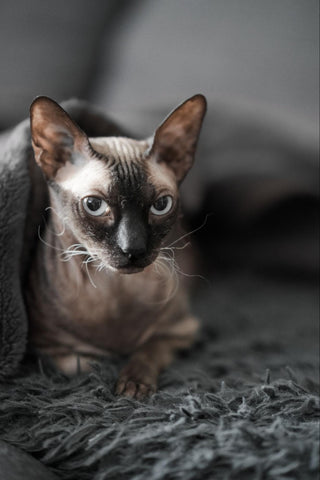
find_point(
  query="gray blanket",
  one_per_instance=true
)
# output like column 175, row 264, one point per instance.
column 14, row 190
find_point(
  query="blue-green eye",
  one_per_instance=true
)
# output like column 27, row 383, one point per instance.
column 162, row 206
column 95, row 206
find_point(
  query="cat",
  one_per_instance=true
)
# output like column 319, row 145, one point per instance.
column 99, row 282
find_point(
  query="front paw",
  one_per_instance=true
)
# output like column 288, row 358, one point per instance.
column 136, row 381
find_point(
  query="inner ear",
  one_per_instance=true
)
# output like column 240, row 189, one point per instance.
column 55, row 136
column 175, row 141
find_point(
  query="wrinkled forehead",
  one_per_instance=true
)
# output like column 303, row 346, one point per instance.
column 120, row 149
column 119, row 168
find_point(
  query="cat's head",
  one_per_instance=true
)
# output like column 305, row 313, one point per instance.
column 118, row 196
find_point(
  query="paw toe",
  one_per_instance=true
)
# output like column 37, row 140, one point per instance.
column 132, row 389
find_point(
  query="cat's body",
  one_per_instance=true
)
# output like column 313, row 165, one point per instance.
column 98, row 283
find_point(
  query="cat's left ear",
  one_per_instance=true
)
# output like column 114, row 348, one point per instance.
column 55, row 136
column 175, row 141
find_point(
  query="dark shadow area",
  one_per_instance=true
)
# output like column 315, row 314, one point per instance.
column 282, row 241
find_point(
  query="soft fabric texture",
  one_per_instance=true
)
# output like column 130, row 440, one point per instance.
column 242, row 404
column 14, row 189
column 16, row 464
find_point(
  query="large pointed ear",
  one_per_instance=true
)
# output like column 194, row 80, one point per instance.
column 55, row 136
column 175, row 141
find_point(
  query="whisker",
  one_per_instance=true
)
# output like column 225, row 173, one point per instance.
column 176, row 248
column 180, row 271
column 192, row 231
column 193, row 275
column 73, row 250
column 46, row 243
column 62, row 220
column 100, row 267
column 168, row 267
column 66, row 255
column 78, row 249
column 89, row 276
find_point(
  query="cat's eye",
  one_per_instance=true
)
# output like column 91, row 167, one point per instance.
column 95, row 206
column 162, row 206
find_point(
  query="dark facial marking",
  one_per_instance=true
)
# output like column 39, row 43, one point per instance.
column 130, row 176
column 132, row 238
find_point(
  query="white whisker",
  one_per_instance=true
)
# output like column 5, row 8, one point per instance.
column 89, row 276
column 76, row 249
column 176, row 248
column 46, row 243
column 63, row 220
column 164, row 266
column 177, row 266
column 192, row 231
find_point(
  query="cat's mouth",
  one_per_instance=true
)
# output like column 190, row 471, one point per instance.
column 135, row 265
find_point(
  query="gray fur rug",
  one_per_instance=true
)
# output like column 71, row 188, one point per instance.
column 242, row 404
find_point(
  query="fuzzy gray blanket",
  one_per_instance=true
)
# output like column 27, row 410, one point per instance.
column 243, row 403
column 14, row 189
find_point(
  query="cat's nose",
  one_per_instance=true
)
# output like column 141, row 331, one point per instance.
column 132, row 238
column 134, row 253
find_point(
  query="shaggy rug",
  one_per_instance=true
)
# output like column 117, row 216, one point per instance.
column 242, row 404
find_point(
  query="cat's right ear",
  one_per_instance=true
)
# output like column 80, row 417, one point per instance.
column 175, row 141
column 55, row 136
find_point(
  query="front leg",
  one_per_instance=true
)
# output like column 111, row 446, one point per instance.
column 138, row 379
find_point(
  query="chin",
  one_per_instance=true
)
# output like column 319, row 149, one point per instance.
column 130, row 270
column 127, row 270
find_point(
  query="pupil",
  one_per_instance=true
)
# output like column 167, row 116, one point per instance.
column 94, row 203
column 161, row 203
